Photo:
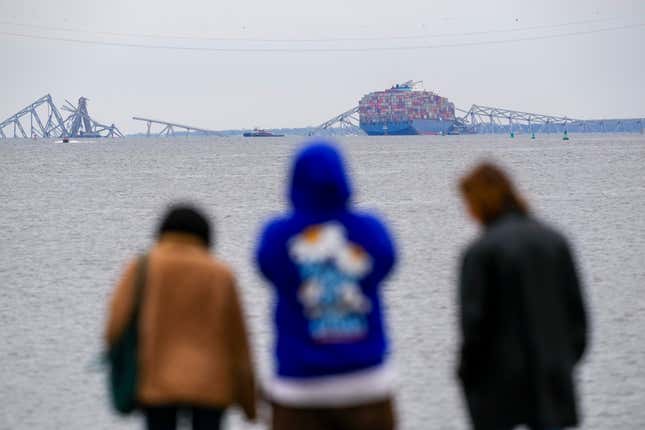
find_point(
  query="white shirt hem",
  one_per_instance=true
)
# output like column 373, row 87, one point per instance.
column 347, row 389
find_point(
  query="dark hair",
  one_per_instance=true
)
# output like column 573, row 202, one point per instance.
column 183, row 218
column 490, row 193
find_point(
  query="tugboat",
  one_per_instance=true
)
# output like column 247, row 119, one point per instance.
column 258, row 132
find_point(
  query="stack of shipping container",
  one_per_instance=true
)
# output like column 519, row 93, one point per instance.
column 399, row 106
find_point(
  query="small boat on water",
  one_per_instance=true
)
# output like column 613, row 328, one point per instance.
column 258, row 132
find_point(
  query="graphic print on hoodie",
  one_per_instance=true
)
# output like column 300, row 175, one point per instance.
column 331, row 268
column 325, row 262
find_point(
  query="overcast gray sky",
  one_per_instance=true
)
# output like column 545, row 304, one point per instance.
column 581, row 58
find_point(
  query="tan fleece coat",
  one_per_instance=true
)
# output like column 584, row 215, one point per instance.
column 193, row 345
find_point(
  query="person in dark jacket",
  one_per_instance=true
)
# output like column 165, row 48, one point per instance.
column 326, row 263
column 522, row 316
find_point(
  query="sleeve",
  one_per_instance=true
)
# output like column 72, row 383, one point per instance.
column 272, row 257
column 472, row 294
column 121, row 304
column 577, row 315
column 244, row 376
column 265, row 252
column 384, row 251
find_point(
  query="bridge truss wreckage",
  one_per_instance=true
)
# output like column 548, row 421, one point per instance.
column 168, row 128
column 348, row 122
column 486, row 120
column 42, row 119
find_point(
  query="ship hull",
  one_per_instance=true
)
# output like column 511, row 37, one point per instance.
column 408, row 128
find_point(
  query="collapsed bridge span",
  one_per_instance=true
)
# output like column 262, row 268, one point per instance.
column 41, row 119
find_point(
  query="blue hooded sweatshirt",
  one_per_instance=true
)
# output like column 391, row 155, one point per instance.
column 326, row 263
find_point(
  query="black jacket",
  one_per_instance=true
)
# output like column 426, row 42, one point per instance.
column 523, row 326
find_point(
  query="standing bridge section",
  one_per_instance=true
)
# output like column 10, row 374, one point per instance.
column 169, row 128
column 40, row 119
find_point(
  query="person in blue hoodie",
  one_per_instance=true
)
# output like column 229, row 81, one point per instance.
column 326, row 263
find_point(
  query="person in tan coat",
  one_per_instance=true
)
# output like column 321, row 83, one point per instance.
column 193, row 346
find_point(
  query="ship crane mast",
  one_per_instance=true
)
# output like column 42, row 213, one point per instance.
column 411, row 83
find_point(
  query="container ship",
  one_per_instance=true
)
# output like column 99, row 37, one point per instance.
column 402, row 110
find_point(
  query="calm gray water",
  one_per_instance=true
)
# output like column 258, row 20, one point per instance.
column 72, row 214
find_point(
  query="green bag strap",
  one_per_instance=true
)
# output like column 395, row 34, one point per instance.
column 139, row 285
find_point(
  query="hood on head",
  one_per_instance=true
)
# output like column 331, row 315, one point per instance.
column 318, row 178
